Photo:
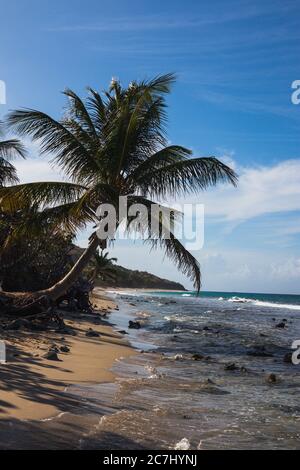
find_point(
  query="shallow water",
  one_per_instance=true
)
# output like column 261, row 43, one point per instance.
column 164, row 396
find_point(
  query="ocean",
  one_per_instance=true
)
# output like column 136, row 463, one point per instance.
column 211, row 372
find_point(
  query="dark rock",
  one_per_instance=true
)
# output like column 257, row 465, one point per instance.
column 51, row 356
column 272, row 379
column 206, row 328
column 92, row 334
column 197, row 357
column 65, row 349
column 231, row 366
column 288, row 358
column 280, row 325
column 134, row 325
column 123, row 332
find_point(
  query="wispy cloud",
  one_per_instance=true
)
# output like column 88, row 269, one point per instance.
column 261, row 190
column 236, row 11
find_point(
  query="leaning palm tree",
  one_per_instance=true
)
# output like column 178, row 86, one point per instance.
column 111, row 145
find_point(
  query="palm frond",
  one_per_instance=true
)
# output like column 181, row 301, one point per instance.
column 78, row 110
column 185, row 177
column 184, row 260
column 12, row 148
column 8, row 173
column 54, row 138
column 97, row 109
column 41, row 195
column 160, row 159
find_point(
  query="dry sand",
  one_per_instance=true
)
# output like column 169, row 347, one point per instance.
column 32, row 388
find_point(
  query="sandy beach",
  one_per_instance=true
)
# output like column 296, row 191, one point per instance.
column 32, row 387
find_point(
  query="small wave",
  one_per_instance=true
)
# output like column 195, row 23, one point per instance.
column 143, row 314
column 263, row 303
column 119, row 292
column 241, row 300
column 260, row 303
column 184, row 444
column 154, row 373
column 186, row 295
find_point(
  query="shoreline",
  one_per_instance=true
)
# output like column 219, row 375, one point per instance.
column 34, row 388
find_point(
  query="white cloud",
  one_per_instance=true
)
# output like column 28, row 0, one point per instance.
column 261, row 190
column 32, row 170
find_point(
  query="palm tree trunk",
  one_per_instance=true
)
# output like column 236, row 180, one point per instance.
column 61, row 287
column 22, row 303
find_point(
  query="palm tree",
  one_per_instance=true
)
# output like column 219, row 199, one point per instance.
column 110, row 146
column 104, row 267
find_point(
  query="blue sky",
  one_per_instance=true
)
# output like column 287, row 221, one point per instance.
column 235, row 61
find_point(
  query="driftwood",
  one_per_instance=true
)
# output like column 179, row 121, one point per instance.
column 78, row 297
column 31, row 305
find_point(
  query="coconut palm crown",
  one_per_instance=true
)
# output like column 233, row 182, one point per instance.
column 112, row 144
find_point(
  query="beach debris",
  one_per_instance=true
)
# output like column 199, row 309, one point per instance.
column 184, row 444
column 92, row 334
column 272, row 379
column 51, row 355
column 123, row 332
column 134, row 325
column 287, row 358
column 231, row 366
column 197, row 357
column 64, row 349
column 281, row 325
